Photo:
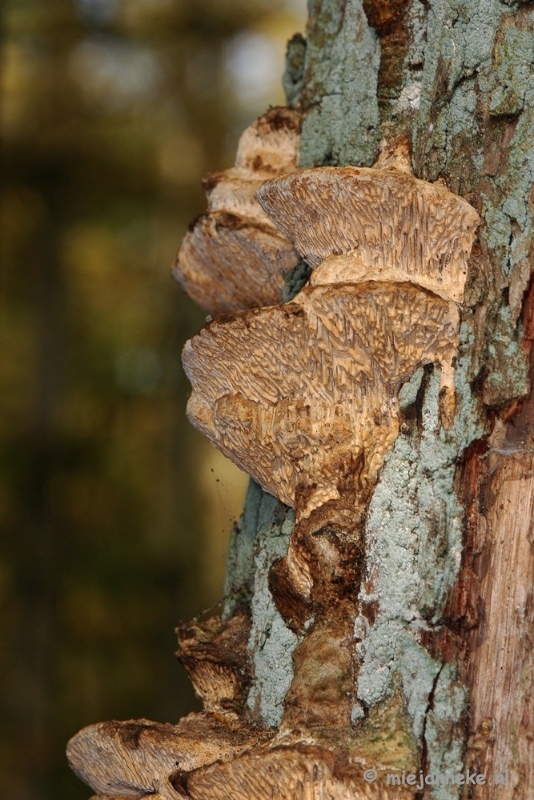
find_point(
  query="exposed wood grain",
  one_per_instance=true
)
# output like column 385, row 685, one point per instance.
column 502, row 645
column 502, row 697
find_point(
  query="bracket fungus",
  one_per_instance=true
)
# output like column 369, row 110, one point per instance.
column 304, row 396
column 295, row 394
column 357, row 224
column 139, row 758
column 234, row 257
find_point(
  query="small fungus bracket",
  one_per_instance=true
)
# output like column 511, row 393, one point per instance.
column 234, row 257
column 354, row 224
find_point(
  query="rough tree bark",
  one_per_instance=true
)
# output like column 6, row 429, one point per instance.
column 441, row 645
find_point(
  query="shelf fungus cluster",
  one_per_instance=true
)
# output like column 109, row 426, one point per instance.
column 296, row 394
column 304, row 396
column 234, row 257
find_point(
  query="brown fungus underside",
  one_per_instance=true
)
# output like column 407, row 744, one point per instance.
column 291, row 393
column 233, row 257
column 367, row 224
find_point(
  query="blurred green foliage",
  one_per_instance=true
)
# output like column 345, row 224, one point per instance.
column 111, row 112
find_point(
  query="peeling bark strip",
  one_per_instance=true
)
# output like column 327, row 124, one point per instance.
column 395, row 631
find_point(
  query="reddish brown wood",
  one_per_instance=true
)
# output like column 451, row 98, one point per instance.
column 499, row 586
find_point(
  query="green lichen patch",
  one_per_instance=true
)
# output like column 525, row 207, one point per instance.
column 474, row 129
column 386, row 738
column 293, row 79
column 296, row 279
column 445, row 717
column 239, row 581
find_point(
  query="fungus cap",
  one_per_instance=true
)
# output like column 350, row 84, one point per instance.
column 294, row 394
column 234, row 257
column 270, row 145
column 228, row 262
column 135, row 758
column 367, row 224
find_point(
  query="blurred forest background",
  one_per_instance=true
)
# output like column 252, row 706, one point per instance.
column 114, row 512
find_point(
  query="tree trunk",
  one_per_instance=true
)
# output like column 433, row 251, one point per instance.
column 426, row 672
